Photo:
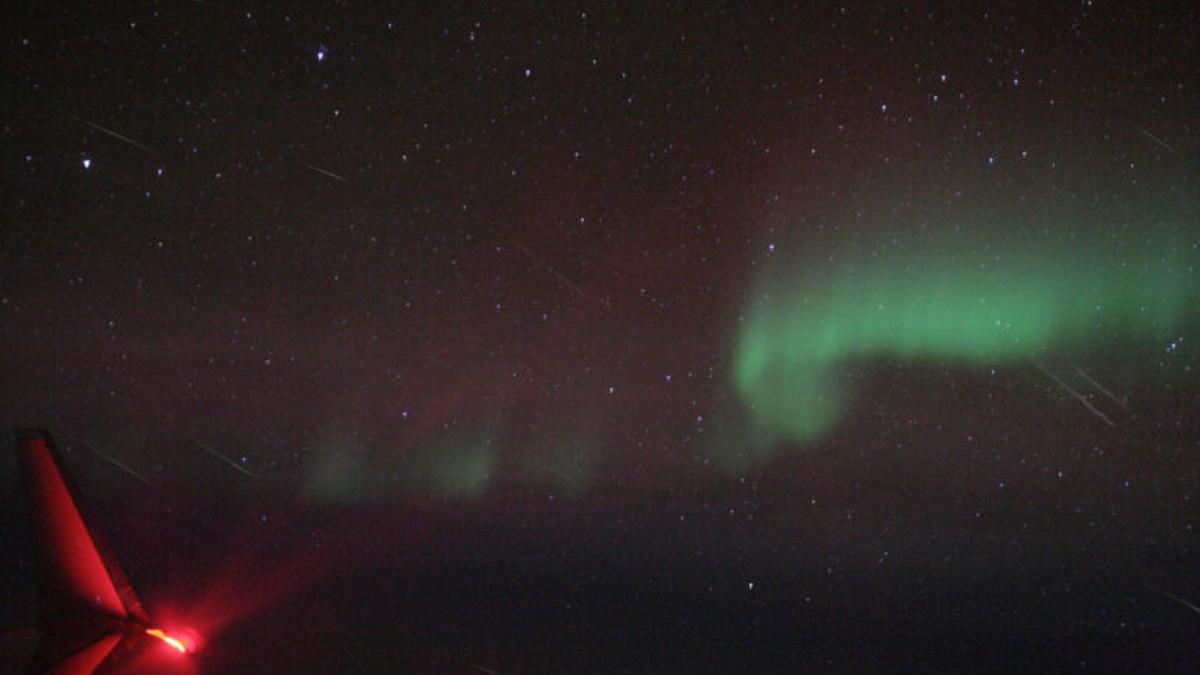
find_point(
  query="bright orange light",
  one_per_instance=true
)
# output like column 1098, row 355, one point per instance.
column 176, row 644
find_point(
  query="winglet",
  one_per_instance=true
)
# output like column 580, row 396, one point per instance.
column 87, row 605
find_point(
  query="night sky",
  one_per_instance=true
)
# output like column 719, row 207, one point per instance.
column 589, row 338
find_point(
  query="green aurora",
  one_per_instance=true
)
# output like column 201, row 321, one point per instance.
column 459, row 466
column 965, row 296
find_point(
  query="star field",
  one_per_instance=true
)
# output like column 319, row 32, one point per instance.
column 584, row 337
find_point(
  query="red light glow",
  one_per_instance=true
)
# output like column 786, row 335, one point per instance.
column 176, row 644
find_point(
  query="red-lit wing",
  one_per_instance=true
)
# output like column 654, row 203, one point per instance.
column 70, row 564
column 91, row 620
column 87, row 660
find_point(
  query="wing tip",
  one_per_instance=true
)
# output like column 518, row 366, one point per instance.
column 32, row 433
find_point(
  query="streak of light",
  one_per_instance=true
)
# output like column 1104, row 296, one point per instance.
column 330, row 174
column 1087, row 404
column 1159, row 141
column 110, row 132
column 175, row 643
column 566, row 476
column 1176, row 598
column 116, row 463
column 1101, row 388
column 550, row 268
column 205, row 447
column 484, row 670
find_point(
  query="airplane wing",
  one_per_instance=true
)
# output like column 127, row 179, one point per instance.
column 91, row 621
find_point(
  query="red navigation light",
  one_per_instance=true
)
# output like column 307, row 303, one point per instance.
column 175, row 643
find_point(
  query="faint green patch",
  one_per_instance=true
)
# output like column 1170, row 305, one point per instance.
column 336, row 471
column 458, row 466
